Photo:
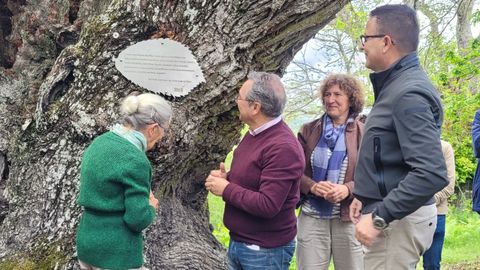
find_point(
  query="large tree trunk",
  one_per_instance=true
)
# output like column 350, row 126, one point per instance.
column 59, row 89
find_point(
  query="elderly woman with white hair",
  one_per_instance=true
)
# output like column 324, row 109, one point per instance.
column 115, row 186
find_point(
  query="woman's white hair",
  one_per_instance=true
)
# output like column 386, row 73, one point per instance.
column 144, row 109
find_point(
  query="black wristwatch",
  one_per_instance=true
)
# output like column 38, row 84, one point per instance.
column 378, row 222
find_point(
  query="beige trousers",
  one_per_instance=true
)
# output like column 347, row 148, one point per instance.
column 320, row 239
column 403, row 242
column 86, row 266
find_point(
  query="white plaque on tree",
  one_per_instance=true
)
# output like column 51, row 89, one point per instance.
column 161, row 66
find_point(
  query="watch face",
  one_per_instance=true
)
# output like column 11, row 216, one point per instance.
column 379, row 223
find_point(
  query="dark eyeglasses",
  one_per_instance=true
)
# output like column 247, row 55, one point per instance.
column 247, row 100
column 364, row 38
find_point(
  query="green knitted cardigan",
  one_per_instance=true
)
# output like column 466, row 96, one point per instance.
column 115, row 181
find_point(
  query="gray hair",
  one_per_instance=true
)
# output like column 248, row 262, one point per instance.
column 267, row 89
column 142, row 110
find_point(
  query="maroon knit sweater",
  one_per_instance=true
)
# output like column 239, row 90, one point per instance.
column 264, row 188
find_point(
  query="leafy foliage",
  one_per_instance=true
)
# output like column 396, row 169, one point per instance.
column 476, row 17
column 458, row 81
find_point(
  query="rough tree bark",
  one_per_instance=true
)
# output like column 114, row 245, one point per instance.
column 464, row 31
column 59, row 89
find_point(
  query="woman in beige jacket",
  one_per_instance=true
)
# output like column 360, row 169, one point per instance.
column 433, row 256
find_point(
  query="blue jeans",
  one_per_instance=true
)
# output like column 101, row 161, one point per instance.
column 242, row 256
column 433, row 256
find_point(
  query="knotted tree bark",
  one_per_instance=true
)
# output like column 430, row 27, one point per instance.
column 59, row 89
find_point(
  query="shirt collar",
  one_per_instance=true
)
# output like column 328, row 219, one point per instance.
column 379, row 79
column 265, row 126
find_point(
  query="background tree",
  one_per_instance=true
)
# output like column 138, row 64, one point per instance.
column 59, row 89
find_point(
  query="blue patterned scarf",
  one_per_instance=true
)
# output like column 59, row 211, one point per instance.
column 325, row 168
column 135, row 137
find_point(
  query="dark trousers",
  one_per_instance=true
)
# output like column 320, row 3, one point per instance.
column 433, row 256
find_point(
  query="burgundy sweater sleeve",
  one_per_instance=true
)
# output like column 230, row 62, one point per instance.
column 281, row 169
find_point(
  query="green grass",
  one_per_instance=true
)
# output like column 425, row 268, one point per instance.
column 461, row 249
column 462, row 236
column 216, row 206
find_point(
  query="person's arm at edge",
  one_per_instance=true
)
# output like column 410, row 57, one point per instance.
column 359, row 130
column 445, row 193
column 306, row 183
column 139, row 214
column 476, row 134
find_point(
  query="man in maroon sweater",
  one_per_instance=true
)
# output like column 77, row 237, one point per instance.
column 262, row 187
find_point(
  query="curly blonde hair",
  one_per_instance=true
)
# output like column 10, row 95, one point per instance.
column 350, row 85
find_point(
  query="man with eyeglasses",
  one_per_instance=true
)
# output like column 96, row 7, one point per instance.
column 400, row 164
column 262, row 188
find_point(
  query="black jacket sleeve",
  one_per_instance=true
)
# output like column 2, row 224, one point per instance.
column 418, row 133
